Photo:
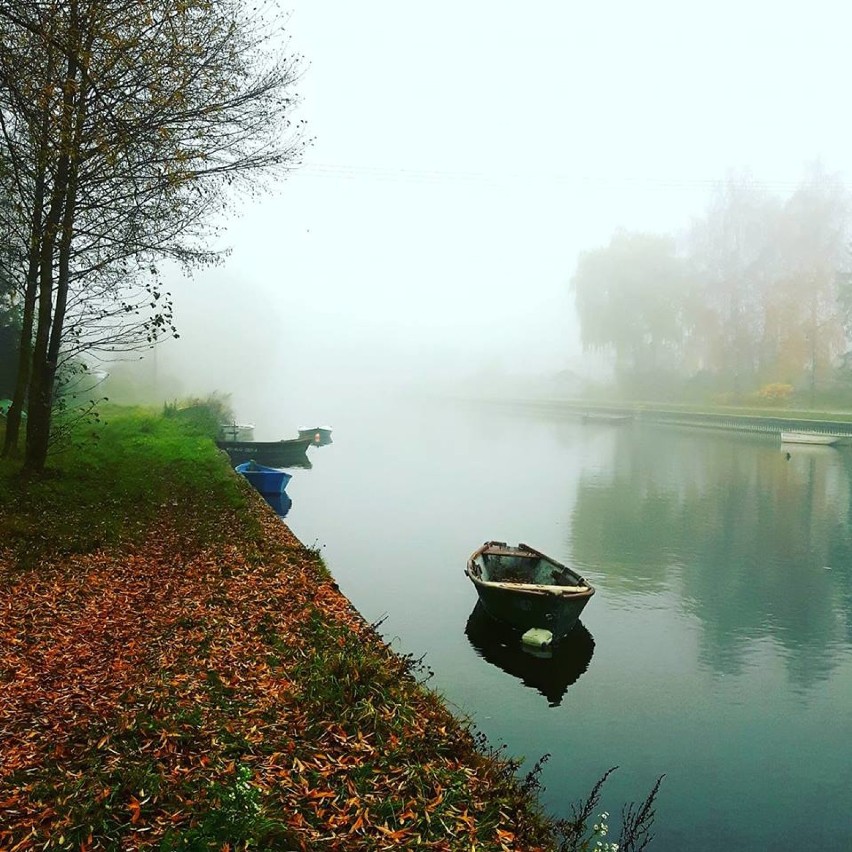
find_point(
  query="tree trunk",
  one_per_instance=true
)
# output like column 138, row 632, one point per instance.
column 814, row 331
column 44, row 360
column 43, row 373
column 22, row 382
column 25, row 350
column 39, row 417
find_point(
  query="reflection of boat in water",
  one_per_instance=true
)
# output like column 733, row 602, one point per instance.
column 320, row 436
column 279, row 503
column 551, row 672
column 289, row 453
column 526, row 589
column 814, row 438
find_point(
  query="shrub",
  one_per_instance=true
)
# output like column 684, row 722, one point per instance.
column 204, row 416
column 775, row 393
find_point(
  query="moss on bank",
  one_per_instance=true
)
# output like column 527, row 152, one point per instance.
column 179, row 672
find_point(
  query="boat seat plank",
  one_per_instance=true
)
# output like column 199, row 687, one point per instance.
column 535, row 587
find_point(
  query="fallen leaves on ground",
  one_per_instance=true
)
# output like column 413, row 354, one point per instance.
column 176, row 697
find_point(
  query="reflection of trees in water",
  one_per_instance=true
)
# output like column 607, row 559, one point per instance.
column 742, row 532
column 616, row 531
column 840, row 553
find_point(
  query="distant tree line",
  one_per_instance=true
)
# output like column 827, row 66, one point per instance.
column 125, row 128
column 757, row 294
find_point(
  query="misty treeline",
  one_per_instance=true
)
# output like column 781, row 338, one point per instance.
column 752, row 303
column 127, row 128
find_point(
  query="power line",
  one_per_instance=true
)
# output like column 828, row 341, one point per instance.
column 440, row 176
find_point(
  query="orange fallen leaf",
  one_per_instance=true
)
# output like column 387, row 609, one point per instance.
column 135, row 810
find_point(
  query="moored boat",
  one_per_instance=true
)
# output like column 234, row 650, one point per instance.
column 526, row 589
column 319, row 435
column 794, row 437
column 288, row 453
column 237, row 431
column 267, row 480
column 602, row 417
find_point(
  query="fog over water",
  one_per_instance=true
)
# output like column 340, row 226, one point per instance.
column 464, row 154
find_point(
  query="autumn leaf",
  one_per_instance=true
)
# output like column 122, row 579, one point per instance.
column 111, row 673
column 135, row 809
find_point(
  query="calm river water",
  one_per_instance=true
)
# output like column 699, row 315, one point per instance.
column 717, row 650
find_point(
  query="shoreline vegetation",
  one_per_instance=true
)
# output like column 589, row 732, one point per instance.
column 639, row 406
column 179, row 672
column 738, row 418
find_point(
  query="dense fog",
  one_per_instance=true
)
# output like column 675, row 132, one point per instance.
column 465, row 158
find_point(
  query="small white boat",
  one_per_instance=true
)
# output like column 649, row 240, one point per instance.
column 320, row 435
column 237, row 431
column 809, row 438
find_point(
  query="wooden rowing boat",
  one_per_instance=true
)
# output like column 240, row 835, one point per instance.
column 287, row 453
column 526, row 589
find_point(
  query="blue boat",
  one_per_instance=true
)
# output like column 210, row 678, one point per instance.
column 267, row 480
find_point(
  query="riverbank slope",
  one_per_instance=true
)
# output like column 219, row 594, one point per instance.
column 179, row 672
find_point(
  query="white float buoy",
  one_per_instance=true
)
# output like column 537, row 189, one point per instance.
column 537, row 637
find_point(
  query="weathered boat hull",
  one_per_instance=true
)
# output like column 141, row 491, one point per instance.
column 527, row 609
column 290, row 453
column 526, row 589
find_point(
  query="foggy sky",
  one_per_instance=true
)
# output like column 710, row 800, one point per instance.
column 466, row 152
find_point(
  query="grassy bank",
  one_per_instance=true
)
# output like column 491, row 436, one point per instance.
column 179, row 672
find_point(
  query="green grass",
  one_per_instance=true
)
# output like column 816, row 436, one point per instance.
column 112, row 481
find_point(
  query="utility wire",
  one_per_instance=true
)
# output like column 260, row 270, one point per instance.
column 435, row 176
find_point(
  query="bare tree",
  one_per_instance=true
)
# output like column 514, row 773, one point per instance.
column 733, row 255
column 813, row 249
column 130, row 131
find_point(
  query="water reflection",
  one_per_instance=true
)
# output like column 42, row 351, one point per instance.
column 722, row 624
column 303, row 463
column 551, row 672
column 280, row 503
column 756, row 543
